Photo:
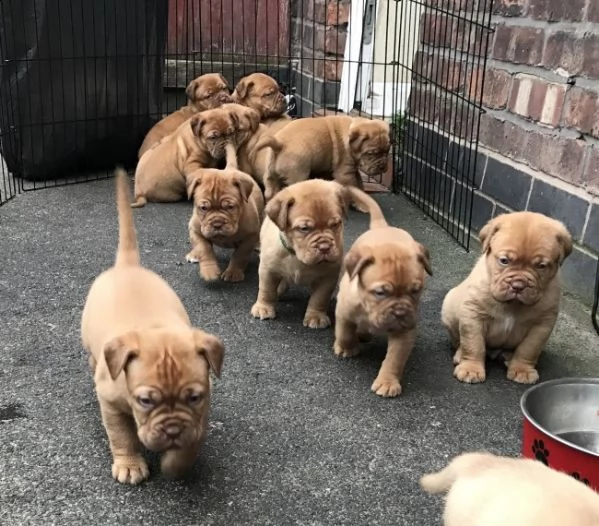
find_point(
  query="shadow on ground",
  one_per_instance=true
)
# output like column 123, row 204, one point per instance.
column 296, row 436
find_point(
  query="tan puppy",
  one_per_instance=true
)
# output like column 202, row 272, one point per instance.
column 198, row 143
column 150, row 365
column 335, row 146
column 510, row 300
column 488, row 490
column 203, row 93
column 228, row 208
column 262, row 93
column 301, row 243
column 379, row 293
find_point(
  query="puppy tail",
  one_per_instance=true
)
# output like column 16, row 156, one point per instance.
column 127, row 252
column 140, row 202
column 368, row 204
column 268, row 141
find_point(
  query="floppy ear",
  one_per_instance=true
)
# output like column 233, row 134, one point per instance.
column 254, row 116
column 190, row 91
column 356, row 261
column 488, row 231
column 345, row 198
column 234, row 116
column 119, row 351
column 356, row 139
column 224, row 80
column 194, row 179
column 564, row 238
column 243, row 89
column 245, row 184
column 277, row 209
column 212, row 348
column 424, row 258
column 196, row 123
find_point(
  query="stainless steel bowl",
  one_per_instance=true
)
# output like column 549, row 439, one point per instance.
column 566, row 409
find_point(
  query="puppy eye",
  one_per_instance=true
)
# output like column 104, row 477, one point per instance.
column 336, row 225
column 229, row 206
column 379, row 293
column 416, row 289
column 541, row 265
column 194, row 398
column 503, row 261
column 305, row 229
column 145, row 402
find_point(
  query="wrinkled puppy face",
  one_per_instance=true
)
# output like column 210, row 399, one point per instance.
column 390, row 280
column 168, row 382
column 369, row 144
column 208, row 91
column 248, row 120
column 524, row 251
column 310, row 215
column 261, row 92
column 218, row 198
column 214, row 130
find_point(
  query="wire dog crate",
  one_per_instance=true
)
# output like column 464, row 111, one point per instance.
column 82, row 81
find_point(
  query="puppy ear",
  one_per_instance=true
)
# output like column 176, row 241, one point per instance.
column 119, row 351
column 242, row 89
column 221, row 76
column 564, row 238
column 190, row 91
column 344, row 198
column 488, row 231
column 196, row 123
column 254, row 116
column 277, row 209
column 245, row 184
column 194, row 179
column 356, row 261
column 424, row 258
column 356, row 139
column 212, row 348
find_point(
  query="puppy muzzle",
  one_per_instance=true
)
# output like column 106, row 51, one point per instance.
column 398, row 317
column 375, row 168
column 224, row 98
column 322, row 250
column 520, row 289
column 170, row 433
column 217, row 227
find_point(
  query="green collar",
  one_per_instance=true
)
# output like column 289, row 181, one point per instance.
column 285, row 244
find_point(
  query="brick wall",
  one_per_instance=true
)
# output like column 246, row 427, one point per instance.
column 539, row 135
column 319, row 31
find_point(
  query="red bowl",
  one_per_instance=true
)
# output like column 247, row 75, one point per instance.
column 561, row 427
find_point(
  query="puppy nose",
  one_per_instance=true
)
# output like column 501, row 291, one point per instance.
column 173, row 430
column 218, row 224
column 399, row 312
column 518, row 285
column 325, row 248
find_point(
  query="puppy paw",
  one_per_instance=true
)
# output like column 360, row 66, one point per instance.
column 345, row 352
column 130, row 470
column 263, row 312
column 470, row 372
column 522, row 374
column 386, row 387
column 316, row 320
column 233, row 274
column 210, row 272
column 190, row 258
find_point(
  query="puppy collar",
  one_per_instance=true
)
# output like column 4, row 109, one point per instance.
column 285, row 244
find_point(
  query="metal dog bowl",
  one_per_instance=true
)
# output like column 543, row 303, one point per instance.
column 561, row 426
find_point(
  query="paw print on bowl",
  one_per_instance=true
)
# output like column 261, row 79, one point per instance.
column 578, row 477
column 540, row 452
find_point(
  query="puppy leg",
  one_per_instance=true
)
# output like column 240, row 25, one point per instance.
column 175, row 463
column 240, row 259
column 470, row 355
column 203, row 252
column 349, row 176
column 347, row 343
column 316, row 316
column 521, row 367
column 128, row 465
column 399, row 348
column 268, row 283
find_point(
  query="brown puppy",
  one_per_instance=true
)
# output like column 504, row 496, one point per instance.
column 228, row 208
column 247, row 123
column 510, row 300
column 301, row 243
column 337, row 146
column 150, row 365
column 379, row 293
column 203, row 93
column 198, row 143
column 489, row 490
column 261, row 92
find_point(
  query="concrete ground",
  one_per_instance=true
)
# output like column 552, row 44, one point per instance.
column 296, row 436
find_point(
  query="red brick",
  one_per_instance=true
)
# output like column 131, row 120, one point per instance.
column 563, row 50
column 313, row 66
column 557, row 10
column 335, row 41
column 518, row 44
column 582, row 111
column 457, row 118
column 337, row 13
column 509, row 7
column 314, row 37
column 423, row 104
column 444, row 72
column 590, row 63
column 315, row 10
column 591, row 172
column 332, row 69
column 558, row 156
column 497, row 85
column 537, row 99
column 436, row 29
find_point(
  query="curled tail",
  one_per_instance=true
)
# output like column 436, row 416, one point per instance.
column 467, row 463
column 367, row 203
column 127, row 252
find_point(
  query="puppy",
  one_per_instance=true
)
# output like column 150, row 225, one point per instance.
column 510, row 300
column 301, row 243
column 199, row 142
column 379, row 293
column 150, row 365
column 228, row 208
column 262, row 93
column 247, row 123
column 203, row 93
column 488, row 490
column 337, row 146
